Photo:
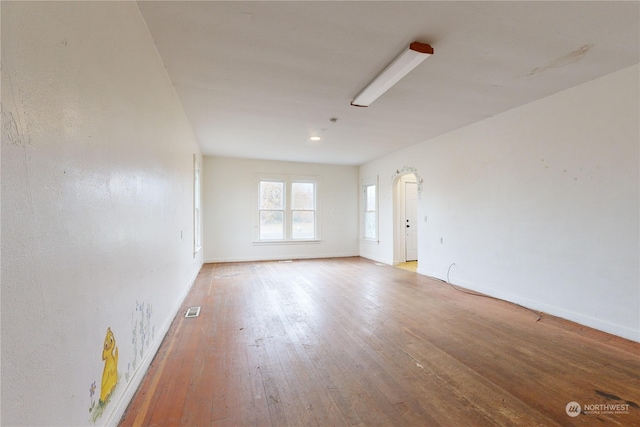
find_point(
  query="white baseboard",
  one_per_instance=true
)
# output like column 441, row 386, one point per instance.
column 422, row 271
column 279, row 257
column 138, row 375
column 580, row 318
column 386, row 262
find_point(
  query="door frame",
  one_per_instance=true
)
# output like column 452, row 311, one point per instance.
column 399, row 242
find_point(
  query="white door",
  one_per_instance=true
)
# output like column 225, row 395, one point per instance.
column 411, row 223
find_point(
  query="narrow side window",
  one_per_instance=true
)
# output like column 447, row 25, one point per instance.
column 370, row 220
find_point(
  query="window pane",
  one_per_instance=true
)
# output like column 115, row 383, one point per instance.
column 197, row 225
column 371, row 198
column 271, row 195
column 370, row 225
column 271, row 225
column 302, row 195
column 303, row 225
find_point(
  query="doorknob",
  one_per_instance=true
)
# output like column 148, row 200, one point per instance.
column 408, row 226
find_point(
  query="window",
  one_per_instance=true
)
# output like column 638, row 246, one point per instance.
column 271, row 210
column 303, row 210
column 370, row 204
column 287, row 208
column 197, row 224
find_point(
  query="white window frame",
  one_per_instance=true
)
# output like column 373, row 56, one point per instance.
column 197, row 205
column 367, row 183
column 288, row 181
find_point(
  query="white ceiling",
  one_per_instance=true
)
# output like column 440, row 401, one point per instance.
column 257, row 79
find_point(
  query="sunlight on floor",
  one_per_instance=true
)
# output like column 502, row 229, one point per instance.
column 409, row 266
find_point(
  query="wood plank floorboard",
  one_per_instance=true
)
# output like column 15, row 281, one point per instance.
column 349, row 342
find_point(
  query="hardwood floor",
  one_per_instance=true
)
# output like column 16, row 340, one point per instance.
column 345, row 342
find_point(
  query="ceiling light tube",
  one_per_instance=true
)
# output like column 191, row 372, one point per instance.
column 400, row 67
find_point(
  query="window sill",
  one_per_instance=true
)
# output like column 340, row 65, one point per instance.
column 285, row 242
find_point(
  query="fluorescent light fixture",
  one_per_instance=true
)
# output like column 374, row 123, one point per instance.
column 315, row 138
column 400, row 67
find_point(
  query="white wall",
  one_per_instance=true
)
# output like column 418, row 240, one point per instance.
column 96, row 207
column 230, row 193
column 539, row 205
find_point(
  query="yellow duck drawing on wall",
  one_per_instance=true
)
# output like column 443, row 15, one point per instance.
column 110, row 373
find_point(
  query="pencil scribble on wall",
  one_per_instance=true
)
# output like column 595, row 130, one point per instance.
column 142, row 335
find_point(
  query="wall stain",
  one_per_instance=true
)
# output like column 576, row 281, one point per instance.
column 570, row 58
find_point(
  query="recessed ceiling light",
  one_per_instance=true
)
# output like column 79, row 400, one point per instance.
column 315, row 138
